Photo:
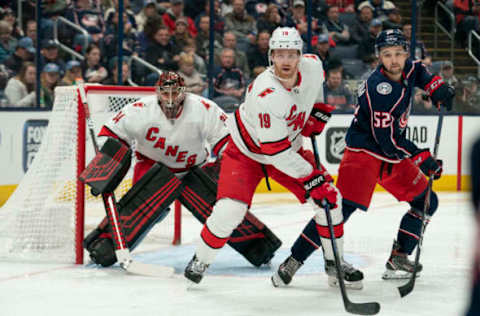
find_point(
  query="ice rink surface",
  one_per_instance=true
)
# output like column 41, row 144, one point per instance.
column 234, row 287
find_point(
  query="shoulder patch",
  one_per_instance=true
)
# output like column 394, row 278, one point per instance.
column 206, row 104
column 266, row 92
column 138, row 104
column 384, row 88
column 313, row 56
column 361, row 88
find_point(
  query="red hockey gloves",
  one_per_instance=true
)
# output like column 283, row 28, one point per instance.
column 317, row 120
column 319, row 189
column 427, row 164
column 441, row 93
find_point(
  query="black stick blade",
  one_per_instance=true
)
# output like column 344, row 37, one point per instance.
column 407, row 288
column 371, row 308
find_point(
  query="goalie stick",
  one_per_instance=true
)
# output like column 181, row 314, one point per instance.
column 121, row 250
column 370, row 308
column 408, row 287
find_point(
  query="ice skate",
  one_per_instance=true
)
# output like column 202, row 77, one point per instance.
column 352, row 277
column 195, row 270
column 285, row 272
column 398, row 266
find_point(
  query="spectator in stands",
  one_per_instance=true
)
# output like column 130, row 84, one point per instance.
column 113, row 77
column 8, row 43
column 270, row 20
column 23, row 52
column 202, row 39
column 229, row 83
column 466, row 16
column 394, row 19
column 73, row 74
column 130, row 46
column 466, row 97
column 20, row 90
column 219, row 21
column 241, row 61
column 344, row 6
column 366, row 48
column 175, row 12
column 258, row 56
column 9, row 16
column 162, row 52
column 198, row 62
column 193, row 80
column 110, row 14
column 92, row 70
column 362, row 23
column 149, row 11
column 380, row 8
column 427, row 61
column 336, row 30
column 181, row 34
column 85, row 14
column 49, row 54
column 31, row 31
column 241, row 24
column 420, row 50
column 298, row 19
column 336, row 93
column 146, row 36
column 371, row 63
column 446, row 72
column 49, row 80
column 422, row 103
column 321, row 47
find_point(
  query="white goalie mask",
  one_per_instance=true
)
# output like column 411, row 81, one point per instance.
column 171, row 93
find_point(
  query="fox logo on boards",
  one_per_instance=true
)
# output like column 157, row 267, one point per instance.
column 33, row 132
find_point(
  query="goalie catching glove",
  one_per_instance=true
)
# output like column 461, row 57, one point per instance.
column 317, row 120
column 320, row 188
column 429, row 166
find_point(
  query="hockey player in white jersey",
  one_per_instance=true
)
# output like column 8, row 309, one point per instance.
column 282, row 104
column 174, row 133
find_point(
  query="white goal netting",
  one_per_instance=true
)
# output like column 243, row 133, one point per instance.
column 42, row 220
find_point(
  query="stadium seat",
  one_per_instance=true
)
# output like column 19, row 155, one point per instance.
column 344, row 51
column 353, row 68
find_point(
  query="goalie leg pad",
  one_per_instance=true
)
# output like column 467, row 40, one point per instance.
column 251, row 238
column 108, row 168
column 144, row 205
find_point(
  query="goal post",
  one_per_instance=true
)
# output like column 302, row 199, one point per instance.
column 47, row 216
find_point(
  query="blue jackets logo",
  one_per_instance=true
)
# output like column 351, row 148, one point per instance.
column 33, row 132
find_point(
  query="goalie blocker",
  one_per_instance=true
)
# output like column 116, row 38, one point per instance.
column 146, row 204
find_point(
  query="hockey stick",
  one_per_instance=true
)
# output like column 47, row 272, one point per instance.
column 121, row 250
column 408, row 287
column 370, row 308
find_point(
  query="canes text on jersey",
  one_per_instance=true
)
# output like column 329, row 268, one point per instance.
column 159, row 142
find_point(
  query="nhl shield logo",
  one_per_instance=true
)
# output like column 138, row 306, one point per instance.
column 384, row 88
column 335, row 144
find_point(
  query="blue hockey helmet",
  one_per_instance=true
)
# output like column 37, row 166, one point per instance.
column 391, row 37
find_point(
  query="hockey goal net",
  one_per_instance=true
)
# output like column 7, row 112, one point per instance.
column 47, row 216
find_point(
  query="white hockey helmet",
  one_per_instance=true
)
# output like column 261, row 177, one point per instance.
column 284, row 38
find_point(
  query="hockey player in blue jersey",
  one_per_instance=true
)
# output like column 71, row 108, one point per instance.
column 378, row 151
